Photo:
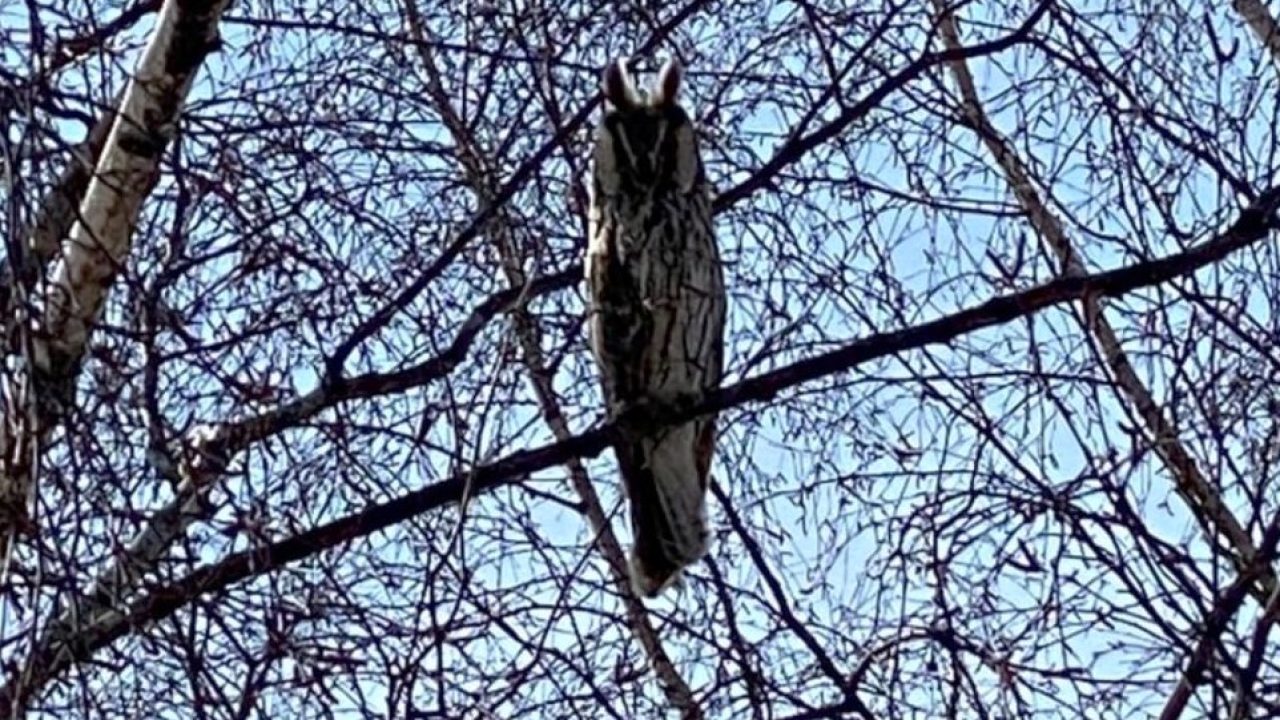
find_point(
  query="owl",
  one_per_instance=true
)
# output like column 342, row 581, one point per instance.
column 657, row 313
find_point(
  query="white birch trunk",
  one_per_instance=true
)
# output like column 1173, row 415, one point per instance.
column 99, row 244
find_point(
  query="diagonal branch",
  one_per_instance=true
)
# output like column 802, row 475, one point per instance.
column 75, row 644
column 1218, row 621
column 1201, row 497
column 58, row 208
column 798, row 147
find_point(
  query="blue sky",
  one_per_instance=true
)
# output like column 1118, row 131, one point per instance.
column 888, row 450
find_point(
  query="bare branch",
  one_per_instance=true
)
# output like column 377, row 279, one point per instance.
column 1217, row 621
column 73, row 644
column 100, row 240
column 1201, row 497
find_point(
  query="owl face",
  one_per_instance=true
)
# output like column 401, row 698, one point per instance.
column 646, row 143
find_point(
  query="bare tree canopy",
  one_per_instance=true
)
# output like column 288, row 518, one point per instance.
column 300, row 419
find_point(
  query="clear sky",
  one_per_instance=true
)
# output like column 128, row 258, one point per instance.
column 844, row 487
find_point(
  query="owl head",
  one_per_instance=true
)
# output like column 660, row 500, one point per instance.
column 646, row 143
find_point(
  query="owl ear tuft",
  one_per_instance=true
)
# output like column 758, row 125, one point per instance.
column 664, row 93
column 617, row 86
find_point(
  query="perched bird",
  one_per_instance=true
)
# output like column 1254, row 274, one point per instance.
column 657, row 312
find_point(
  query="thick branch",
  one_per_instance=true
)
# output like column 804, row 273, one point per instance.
column 57, row 210
column 1253, row 225
column 186, row 32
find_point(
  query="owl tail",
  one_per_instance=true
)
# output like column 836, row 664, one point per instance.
column 665, row 478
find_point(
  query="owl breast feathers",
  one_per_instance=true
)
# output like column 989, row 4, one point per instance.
column 657, row 313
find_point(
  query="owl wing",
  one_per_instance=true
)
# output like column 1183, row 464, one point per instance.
column 619, row 326
column 656, row 326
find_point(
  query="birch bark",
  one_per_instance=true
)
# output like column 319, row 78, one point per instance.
column 98, row 245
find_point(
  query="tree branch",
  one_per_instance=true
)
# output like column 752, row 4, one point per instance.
column 1201, row 497
column 1216, row 622
column 75, row 643
column 100, row 240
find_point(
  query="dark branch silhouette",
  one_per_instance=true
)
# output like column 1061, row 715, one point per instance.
column 1253, row 224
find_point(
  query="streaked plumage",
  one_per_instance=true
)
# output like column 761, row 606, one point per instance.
column 657, row 312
